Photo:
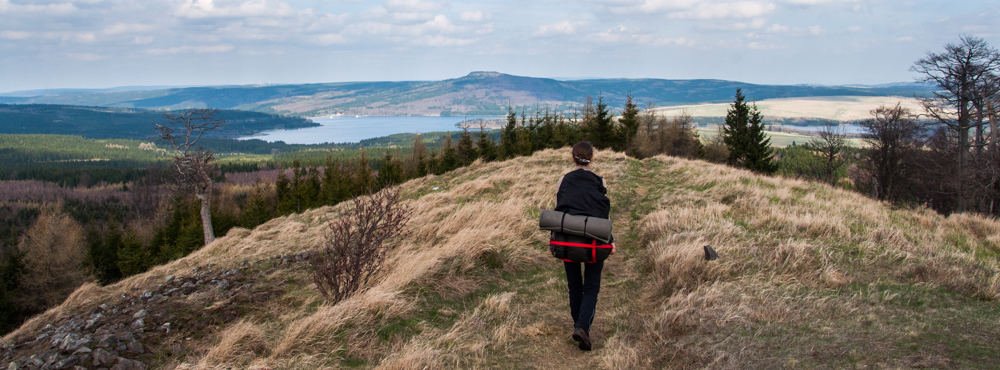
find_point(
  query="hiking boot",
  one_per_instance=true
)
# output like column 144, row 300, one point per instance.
column 581, row 336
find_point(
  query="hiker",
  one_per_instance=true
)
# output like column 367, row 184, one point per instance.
column 581, row 192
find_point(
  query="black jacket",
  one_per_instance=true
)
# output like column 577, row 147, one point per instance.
column 581, row 193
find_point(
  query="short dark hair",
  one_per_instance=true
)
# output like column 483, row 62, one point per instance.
column 583, row 152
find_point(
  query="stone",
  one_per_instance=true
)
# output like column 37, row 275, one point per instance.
column 42, row 336
column 169, row 279
column 108, row 341
column 121, row 348
column 135, row 347
column 166, row 328
column 82, row 351
column 12, row 366
column 92, row 323
column 223, row 285
column 138, row 324
column 102, row 357
column 140, row 314
column 126, row 364
column 66, row 363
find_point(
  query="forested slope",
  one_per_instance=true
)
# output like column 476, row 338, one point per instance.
column 809, row 276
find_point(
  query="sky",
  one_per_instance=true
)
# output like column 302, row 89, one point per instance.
column 48, row 44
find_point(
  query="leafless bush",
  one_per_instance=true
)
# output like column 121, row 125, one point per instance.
column 354, row 247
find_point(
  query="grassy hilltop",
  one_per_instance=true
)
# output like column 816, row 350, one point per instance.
column 809, row 277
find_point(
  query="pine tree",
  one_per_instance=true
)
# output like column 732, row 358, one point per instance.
column 418, row 160
column 449, row 159
column 485, row 147
column 283, row 190
column 602, row 132
column 508, row 139
column 744, row 135
column 466, row 151
column 391, row 172
column 364, row 181
column 629, row 126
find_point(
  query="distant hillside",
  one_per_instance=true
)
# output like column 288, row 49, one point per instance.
column 479, row 93
column 810, row 276
column 125, row 123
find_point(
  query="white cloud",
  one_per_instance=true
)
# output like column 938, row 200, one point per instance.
column 87, row 57
column 191, row 49
column 855, row 28
column 414, row 6
column 15, row 35
column 119, row 28
column 143, row 40
column 560, row 28
column 777, row 28
column 904, row 38
column 476, row 16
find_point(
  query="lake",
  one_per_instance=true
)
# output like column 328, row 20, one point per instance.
column 349, row 129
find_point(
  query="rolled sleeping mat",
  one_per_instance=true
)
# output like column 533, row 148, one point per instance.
column 590, row 227
column 551, row 220
column 598, row 228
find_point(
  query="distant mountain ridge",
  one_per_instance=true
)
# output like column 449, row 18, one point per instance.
column 478, row 93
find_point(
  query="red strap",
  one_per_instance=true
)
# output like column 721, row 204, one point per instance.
column 593, row 248
column 568, row 244
column 593, row 252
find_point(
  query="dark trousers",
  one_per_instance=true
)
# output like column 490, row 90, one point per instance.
column 583, row 289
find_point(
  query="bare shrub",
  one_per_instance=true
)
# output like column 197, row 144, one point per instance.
column 354, row 246
column 54, row 249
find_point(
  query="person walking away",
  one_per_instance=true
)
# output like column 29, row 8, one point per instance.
column 581, row 192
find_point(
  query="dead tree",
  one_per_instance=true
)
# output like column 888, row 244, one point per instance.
column 192, row 163
column 960, row 73
column 830, row 144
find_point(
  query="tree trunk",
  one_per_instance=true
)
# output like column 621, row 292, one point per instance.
column 206, row 214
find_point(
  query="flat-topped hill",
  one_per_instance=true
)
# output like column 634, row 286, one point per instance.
column 809, row 276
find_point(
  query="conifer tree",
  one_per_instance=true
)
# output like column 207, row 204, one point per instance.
column 602, row 132
column 418, row 160
column 449, row 159
column 629, row 126
column 466, row 151
column 391, row 172
column 485, row 147
column 364, row 181
column 508, row 139
column 336, row 182
column 744, row 135
column 283, row 189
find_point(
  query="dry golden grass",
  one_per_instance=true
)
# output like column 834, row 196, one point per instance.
column 809, row 276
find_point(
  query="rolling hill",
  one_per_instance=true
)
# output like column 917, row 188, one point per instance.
column 478, row 93
column 810, row 276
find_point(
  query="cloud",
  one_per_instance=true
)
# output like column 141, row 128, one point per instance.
column 191, row 49
column 777, row 28
column 560, row 28
column 855, row 28
column 143, row 40
column 15, row 35
column 414, row 6
column 904, row 38
column 87, row 57
column 476, row 16
column 816, row 30
column 119, row 28
column 693, row 9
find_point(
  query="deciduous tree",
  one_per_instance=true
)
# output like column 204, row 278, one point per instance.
column 193, row 164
